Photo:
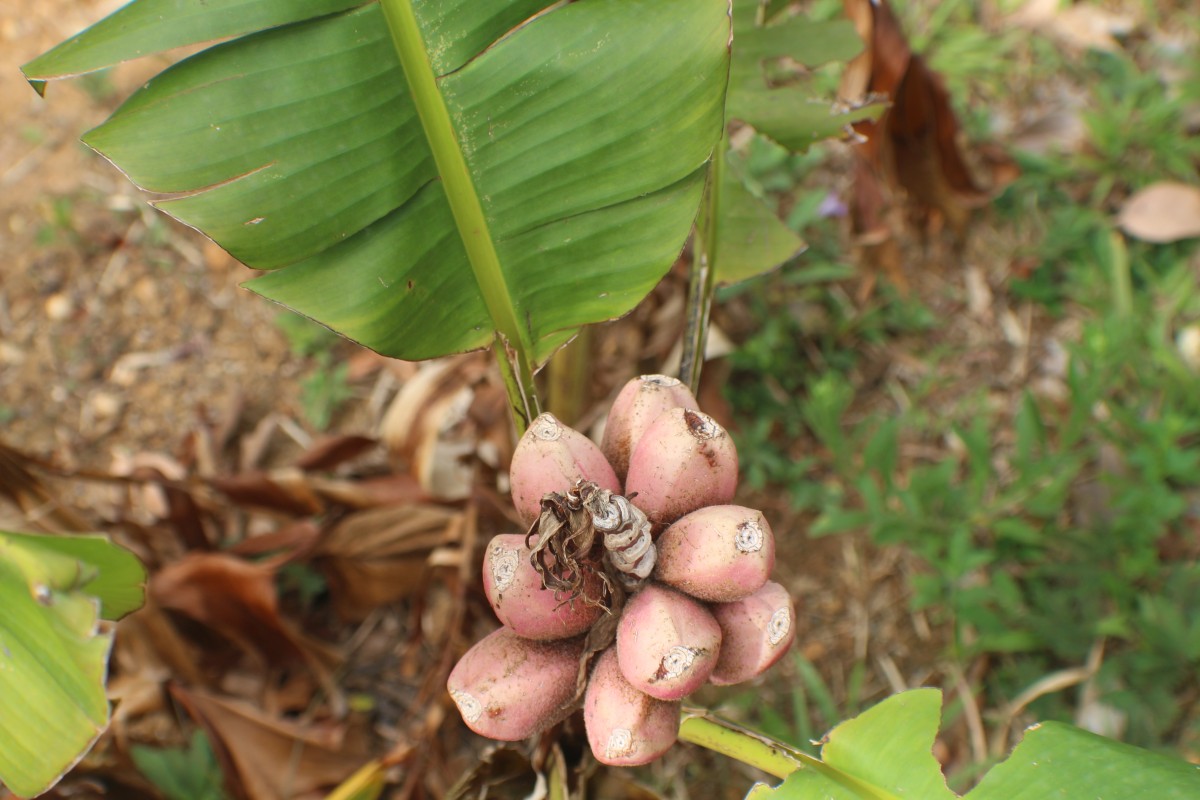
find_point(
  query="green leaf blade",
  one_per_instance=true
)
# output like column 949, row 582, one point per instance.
column 53, row 662
column 615, row 256
column 455, row 31
column 147, row 27
column 1058, row 760
column 584, row 129
column 806, row 41
column 403, row 285
column 751, row 240
column 282, row 144
column 885, row 753
column 891, row 746
column 190, row 773
column 791, row 116
column 301, row 150
column 89, row 564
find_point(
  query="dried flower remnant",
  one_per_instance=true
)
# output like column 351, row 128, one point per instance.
column 749, row 537
column 591, row 530
column 504, row 566
column 779, row 625
column 470, row 708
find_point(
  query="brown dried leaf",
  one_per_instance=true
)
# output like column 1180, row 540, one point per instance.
column 254, row 445
column 287, row 490
column 404, row 426
column 377, row 556
column 879, row 69
column 503, row 773
column 387, row 490
column 235, row 598
column 265, row 758
column 914, row 145
column 1162, row 212
column 185, row 517
column 922, row 133
column 332, row 451
column 19, row 482
column 856, row 78
column 158, row 493
column 443, row 420
column 295, row 539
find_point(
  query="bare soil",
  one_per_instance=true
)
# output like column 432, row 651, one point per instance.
column 118, row 326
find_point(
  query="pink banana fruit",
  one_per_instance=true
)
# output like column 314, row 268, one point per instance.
column 683, row 462
column 507, row 687
column 755, row 633
column 550, row 458
column 625, row 727
column 523, row 604
column 639, row 403
column 667, row 643
column 717, row 554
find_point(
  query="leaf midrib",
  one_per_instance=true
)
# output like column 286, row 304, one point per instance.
column 514, row 345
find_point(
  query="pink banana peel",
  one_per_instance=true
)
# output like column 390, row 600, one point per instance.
column 685, row 461
column 508, row 687
column 641, row 402
column 514, row 589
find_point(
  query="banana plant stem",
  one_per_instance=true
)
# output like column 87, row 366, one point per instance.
column 567, row 377
column 702, row 275
column 774, row 758
column 512, row 346
column 722, row 737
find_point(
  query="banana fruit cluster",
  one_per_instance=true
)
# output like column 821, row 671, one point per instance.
column 637, row 582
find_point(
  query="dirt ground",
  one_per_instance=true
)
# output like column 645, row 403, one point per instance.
column 121, row 331
column 118, row 326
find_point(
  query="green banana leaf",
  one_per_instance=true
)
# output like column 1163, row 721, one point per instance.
column 150, row 27
column 102, row 570
column 749, row 239
column 1058, row 760
column 885, row 754
column 792, row 112
column 423, row 176
column 53, row 653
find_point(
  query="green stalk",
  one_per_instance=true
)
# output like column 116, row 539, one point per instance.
column 723, row 737
column 1122, row 282
column 702, row 275
column 567, row 376
column 758, row 751
column 512, row 345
